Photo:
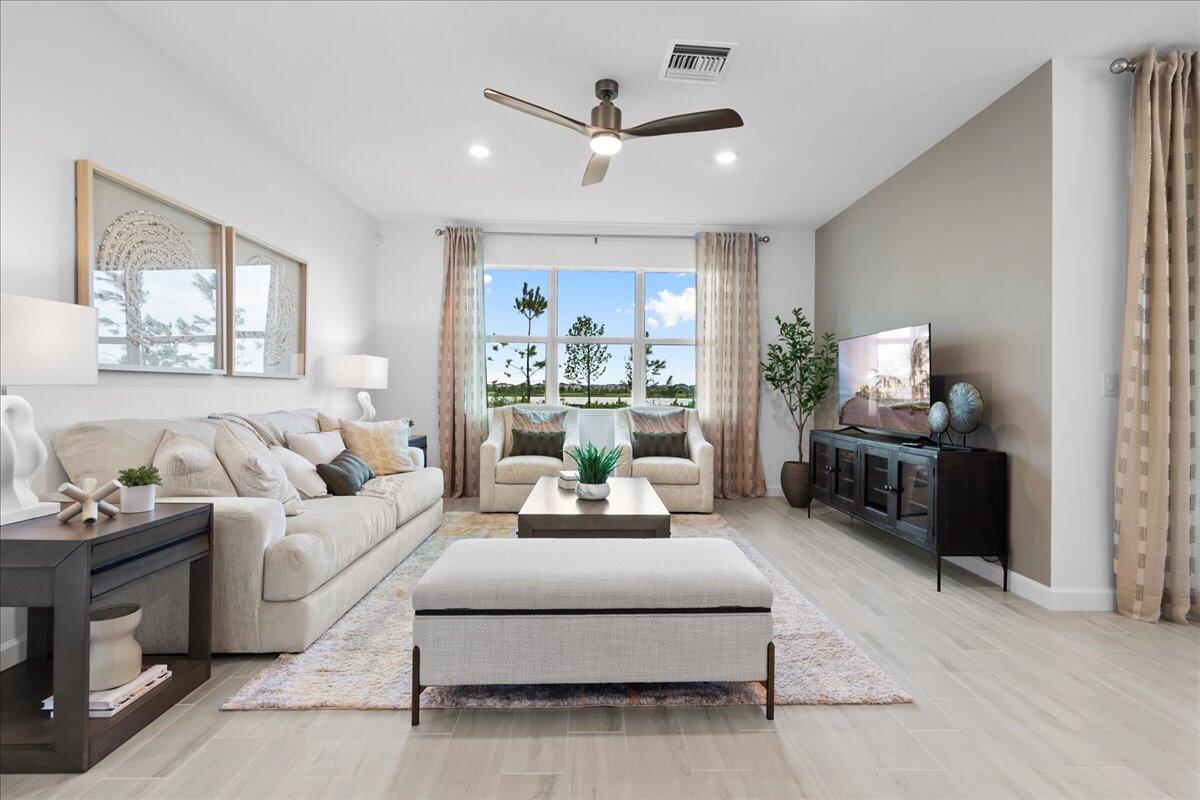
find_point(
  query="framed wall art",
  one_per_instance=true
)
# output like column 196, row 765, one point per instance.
column 267, row 307
column 154, row 269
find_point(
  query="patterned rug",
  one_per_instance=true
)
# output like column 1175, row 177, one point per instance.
column 364, row 661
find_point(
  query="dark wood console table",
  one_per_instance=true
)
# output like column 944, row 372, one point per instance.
column 59, row 572
column 950, row 502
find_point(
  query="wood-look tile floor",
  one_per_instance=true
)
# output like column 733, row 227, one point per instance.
column 1011, row 701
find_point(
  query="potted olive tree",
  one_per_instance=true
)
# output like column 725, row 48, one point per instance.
column 799, row 367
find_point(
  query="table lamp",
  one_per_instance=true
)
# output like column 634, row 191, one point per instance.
column 362, row 372
column 42, row 343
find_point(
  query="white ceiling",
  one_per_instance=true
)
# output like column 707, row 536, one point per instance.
column 383, row 99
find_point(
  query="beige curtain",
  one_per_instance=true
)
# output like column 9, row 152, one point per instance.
column 462, row 399
column 1156, row 432
column 727, row 359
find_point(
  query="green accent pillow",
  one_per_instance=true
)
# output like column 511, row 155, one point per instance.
column 648, row 443
column 538, row 443
column 346, row 474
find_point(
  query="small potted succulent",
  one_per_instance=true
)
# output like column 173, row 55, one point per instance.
column 799, row 367
column 595, row 465
column 137, row 488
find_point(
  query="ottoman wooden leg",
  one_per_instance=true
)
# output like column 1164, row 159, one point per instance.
column 416, row 686
column 770, row 683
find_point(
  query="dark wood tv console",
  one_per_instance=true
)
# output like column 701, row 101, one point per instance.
column 950, row 502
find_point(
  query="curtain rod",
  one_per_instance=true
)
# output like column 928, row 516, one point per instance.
column 1120, row 65
column 595, row 236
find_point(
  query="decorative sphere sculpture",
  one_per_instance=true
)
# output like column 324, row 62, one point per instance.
column 966, row 407
column 939, row 417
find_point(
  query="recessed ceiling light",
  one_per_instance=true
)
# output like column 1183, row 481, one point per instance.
column 479, row 151
column 726, row 157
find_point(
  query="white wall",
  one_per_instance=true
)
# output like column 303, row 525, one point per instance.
column 410, row 292
column 76, row 82
column 1090, row 142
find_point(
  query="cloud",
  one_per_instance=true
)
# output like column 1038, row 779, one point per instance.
column 651, row 322
column 672, row 308
column 487, row 283
column 628, row 309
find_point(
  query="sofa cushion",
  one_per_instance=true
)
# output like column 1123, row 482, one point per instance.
column 301, row 472
column 345, row 474
column 254, row 471
column 648, row 444
column 100, row 448
column 667, row 470
column 273, row 427
column 331, row 534
column 538, row 443
column 651, row 419
column 319, row 448
column 526, row 469
column 383, row 445
column 410, row 493
column 189, row 468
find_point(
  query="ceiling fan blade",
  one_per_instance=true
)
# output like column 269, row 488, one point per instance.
column 597, row 168
column 713, row 120
column 535, row 110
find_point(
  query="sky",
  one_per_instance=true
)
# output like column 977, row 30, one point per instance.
column 885, row 353
column 608, row 298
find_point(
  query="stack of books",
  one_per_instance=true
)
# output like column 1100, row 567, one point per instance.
column 568, row 479
column 111, row 702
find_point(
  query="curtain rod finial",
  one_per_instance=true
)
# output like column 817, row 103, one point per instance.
column 1120, row 65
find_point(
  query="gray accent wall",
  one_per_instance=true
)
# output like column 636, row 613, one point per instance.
column 961, row 238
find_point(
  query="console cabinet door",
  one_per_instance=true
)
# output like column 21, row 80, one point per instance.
column 913, row 489
column 820, row 456
column 878, row 478
column 846, row 480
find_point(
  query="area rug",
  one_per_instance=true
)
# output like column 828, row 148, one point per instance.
column 364, row 661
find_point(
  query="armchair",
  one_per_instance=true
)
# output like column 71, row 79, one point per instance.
column 685, row 485
column 505, row 481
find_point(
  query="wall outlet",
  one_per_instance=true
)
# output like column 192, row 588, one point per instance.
column 1108, row 384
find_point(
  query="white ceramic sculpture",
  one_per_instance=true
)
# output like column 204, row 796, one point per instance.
column 89, row 501
column 21, row 455
column 116, row 657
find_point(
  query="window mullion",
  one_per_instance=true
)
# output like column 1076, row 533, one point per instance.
column 551, row 371
column 637, row 392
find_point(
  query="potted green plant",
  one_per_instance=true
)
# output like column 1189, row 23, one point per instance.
column 137, row 488
column 799, row 367
column 595, row 465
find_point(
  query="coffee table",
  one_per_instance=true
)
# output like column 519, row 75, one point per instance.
column 632, row 510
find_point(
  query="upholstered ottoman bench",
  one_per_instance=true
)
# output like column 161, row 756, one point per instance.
column 524, row 611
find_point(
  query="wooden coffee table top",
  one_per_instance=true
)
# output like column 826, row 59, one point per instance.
column 631, row 505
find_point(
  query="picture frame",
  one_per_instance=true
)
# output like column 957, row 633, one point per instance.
column 266, row 317
column 154, row 268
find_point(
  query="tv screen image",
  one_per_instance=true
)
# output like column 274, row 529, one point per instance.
column 883, row 380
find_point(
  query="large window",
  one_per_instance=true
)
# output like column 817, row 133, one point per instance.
column 590, row 338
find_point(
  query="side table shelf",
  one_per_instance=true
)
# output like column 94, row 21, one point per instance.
column 59, row 572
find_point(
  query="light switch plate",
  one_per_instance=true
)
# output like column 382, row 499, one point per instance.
column 1108, row 384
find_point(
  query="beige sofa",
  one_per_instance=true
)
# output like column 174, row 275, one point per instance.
column 505, row 481
column 278, row 582
column 685, row 485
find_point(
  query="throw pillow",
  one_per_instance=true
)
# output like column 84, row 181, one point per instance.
column 326, row 424
column 318, row 448
column 189, row 468
column 272, row 427
column 539, row 421
column 383, row 445
column 538, row 443
column 254, row 471
column 346, row 474
column 301, row 473
column 659, row 420
column 647, row 444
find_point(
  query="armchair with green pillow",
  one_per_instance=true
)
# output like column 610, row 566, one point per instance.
column 666, row 446
column 525, row 442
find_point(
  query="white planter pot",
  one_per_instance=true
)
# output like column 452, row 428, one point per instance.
column 592, row 491
column 116, row 657
column 137, row 499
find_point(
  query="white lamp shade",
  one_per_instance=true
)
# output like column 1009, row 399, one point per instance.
column 46, row 343
column 361, row 372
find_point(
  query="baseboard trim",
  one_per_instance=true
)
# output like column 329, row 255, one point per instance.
column 774, row 490
column 1054, row 599
column 13, row 651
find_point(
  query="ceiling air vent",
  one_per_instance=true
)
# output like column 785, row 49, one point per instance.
column 696, row 62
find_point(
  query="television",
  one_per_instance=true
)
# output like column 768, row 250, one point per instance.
column 883, row 380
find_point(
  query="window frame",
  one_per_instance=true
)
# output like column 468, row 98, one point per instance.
column 552, row 339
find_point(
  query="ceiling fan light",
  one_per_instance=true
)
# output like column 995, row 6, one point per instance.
column 605, row 144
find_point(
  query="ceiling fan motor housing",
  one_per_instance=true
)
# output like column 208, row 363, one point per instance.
column 606, row 115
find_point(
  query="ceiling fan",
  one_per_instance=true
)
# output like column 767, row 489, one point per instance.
column 605, row 133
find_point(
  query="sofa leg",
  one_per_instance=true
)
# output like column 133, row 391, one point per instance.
column 416, row 686
column 770, row 683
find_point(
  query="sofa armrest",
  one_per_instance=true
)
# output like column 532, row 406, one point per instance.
column 700, row 449
column 570, row 442
column 243, row 528
column 490, row 453
column 623, row 441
